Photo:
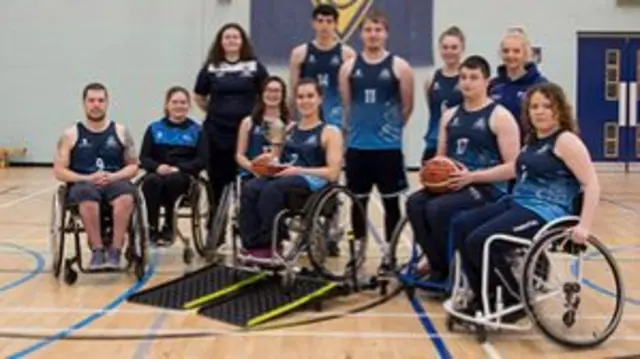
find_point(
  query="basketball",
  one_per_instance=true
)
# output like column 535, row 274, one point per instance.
column 435, row 173
column 266, row 165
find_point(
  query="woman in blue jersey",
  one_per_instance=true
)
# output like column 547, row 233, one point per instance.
column 516, row 74
column 442, row 89
column 313, row 152
column 551, row 171
column 263, row 131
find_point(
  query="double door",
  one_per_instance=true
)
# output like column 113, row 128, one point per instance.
column 608, row 86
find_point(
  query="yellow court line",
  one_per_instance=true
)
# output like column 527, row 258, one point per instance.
column 285, row 308
column 194, row 304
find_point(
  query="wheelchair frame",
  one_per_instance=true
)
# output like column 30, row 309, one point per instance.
column 304, row 222
column 65, row 219
column 190, row 200
column 488, row 319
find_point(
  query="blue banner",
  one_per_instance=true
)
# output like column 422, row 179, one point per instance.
column 279, row 25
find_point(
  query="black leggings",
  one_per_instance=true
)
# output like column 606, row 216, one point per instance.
column 163, row 191
column 473, row 229
column 391, row 207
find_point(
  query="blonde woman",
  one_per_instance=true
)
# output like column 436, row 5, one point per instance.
column 517, row 73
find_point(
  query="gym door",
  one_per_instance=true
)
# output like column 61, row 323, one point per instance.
column 608, row 86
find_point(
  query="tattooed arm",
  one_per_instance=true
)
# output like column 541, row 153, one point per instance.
column 131, row 167
column 62, row 159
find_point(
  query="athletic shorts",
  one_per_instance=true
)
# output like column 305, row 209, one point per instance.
column 382, row 168
column 87, row 191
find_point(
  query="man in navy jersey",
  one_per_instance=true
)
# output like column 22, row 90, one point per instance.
column 320, row 59
column 377, row 92
column 97, row 159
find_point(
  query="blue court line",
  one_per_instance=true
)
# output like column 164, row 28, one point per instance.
column 142, row 351
column 91, row 318
column 438, row 343
column 598, row 288
column 31, row 274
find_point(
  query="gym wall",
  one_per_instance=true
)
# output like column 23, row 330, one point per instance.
column 51, row 49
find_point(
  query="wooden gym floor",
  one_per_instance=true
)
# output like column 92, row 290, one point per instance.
column 42, row 318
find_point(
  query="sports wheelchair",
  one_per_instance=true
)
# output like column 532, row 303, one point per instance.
column 307, row 223
column 194, row 206
column 65, row 219
column 531, row 262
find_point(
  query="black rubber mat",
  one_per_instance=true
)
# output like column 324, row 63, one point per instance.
column 201, row 283
column 267, row 300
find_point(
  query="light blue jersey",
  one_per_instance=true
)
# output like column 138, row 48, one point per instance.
column 376, row 120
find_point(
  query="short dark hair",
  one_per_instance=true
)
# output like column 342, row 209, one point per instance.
column 325, row 10
column 94, row 86
column 477, row 62
column 216, row 53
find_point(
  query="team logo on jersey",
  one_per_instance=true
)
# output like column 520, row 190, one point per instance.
column 351, row 14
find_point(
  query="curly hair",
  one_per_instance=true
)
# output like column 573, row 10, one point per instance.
column 561, row 108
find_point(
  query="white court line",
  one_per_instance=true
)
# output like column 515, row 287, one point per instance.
column 418, row 335
column 490, row 351
column 27, row 197
column 146, row 311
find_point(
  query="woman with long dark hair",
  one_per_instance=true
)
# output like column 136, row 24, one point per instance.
column 226, row 89
column 264, row 130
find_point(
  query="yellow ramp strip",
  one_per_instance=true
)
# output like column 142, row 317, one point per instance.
column 194, row 304
column 287, row 307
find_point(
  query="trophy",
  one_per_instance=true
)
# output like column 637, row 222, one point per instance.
column 274, row 132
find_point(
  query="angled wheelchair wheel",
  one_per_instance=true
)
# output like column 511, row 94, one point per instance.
column 329, row 218
column 138, row 243
column 57, row 231
column 199, row 196
column 218, row 226
column 573, row 293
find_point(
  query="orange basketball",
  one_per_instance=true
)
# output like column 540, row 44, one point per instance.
column 435, row 174
column 266, row 165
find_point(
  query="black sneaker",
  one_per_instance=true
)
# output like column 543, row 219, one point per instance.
column 333, row 249
column 167, row 235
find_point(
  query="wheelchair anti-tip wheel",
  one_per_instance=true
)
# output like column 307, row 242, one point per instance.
column 560, row 306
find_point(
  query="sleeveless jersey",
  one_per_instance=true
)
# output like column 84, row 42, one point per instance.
column 97, row 151
column 544, row 184
column 443, row 93
column 257, row 144
column 376, row 121
column 324, row 66
column 471, row 142
column 303, row 148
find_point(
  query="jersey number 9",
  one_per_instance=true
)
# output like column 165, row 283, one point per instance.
column 370, row 96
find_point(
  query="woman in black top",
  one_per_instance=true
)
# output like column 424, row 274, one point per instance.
column 226, row 89
column 172, row 150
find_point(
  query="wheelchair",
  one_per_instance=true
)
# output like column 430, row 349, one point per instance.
column 193, row 206
column 531, row 261
column 65, row 219
column 405, row 256
column 307, row 223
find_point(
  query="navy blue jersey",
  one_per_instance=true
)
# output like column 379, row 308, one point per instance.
column 232, row 89
column 324, row 66
column 376, row 120
column 97, row 151
column 471, row 142
column 443, row 93
column 510, row 93
column 174, row 144
column 303, row 148
column 545, row 185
